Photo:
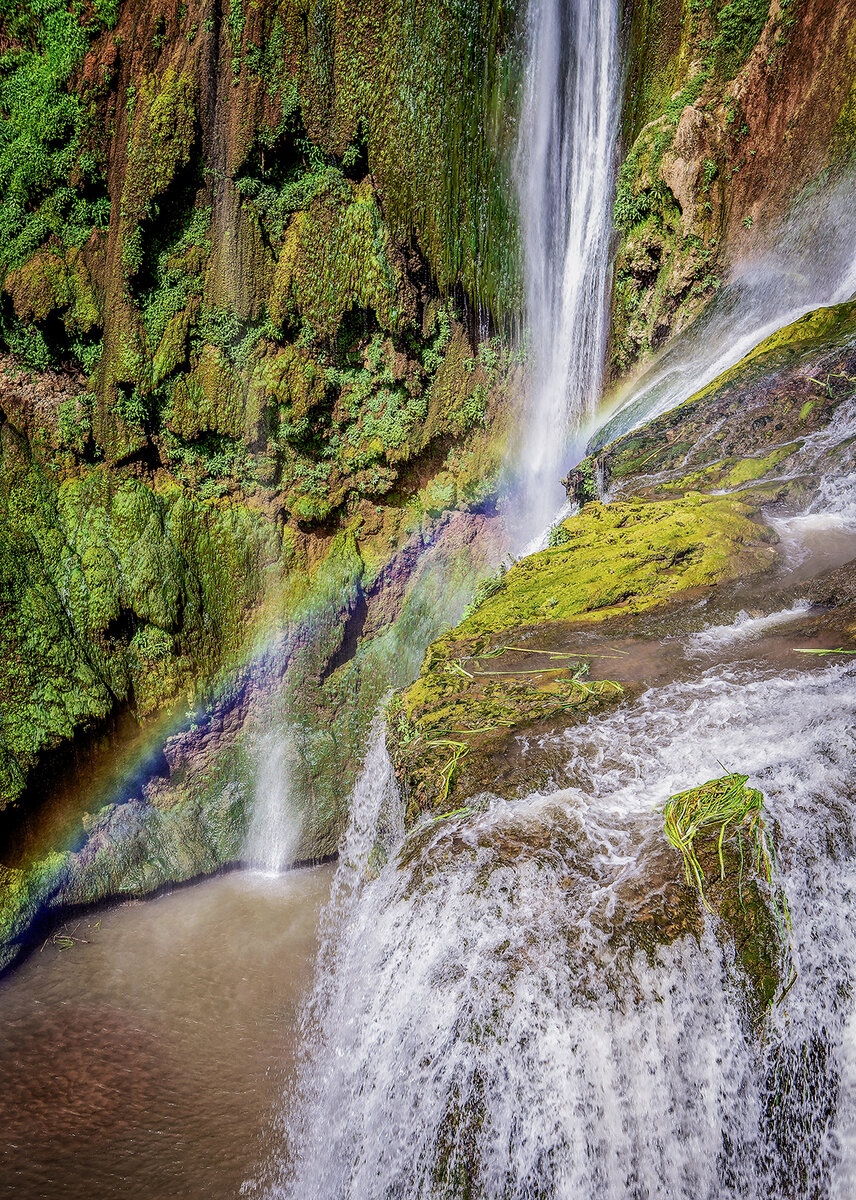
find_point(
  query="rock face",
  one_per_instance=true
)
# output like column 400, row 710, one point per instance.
column 732, row 110
column 251, row 387
column 223, row 244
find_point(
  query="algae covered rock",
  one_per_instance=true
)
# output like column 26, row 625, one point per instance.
column 719, row 830
column 627, row 557
column 750, row 429
column 452, row 732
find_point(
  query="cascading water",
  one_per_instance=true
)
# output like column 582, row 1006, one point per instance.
column 565, row 184
column 274, row 830
column 810, row 264
column 483, row 1033
column 485, row 1023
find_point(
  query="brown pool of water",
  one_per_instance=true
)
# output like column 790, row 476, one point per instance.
column 143, row 1059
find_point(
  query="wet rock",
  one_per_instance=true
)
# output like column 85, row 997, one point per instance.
column 750, row 425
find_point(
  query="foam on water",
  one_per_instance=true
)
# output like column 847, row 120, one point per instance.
column 744, row 628
column 478, row 1022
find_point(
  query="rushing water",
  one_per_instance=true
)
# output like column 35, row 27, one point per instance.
column 478, row 1032
column 485, row 1022
column 565, row 182
column 274, row 831
column 138, row 1062
column 808, row 263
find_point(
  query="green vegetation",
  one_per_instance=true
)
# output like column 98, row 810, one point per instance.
column 52, row 187
column 626, row 557
column 723, row 806
column 162, row 137
column 39, row 157
column 110, row 593
column 738, row 27
column 447, row 729
column 719, row 830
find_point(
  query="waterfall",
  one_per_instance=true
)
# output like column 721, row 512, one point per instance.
column 484, row 1035
column 808, row 263
column 274, row 831
column 485, row 1022
column 565, row 174
column 375, row 826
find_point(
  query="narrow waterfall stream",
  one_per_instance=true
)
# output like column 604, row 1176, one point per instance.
column 809, row 262
column 274, row 832
column 565, row 174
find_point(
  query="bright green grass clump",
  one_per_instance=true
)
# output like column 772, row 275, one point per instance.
column 722, row 804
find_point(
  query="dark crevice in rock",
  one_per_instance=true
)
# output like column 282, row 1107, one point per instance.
column 353, row 632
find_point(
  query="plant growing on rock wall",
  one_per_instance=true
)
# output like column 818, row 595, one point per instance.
column 42, row 130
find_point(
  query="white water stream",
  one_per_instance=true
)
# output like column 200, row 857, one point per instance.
column 565, row 172
column 481, row 1028
column 273, row 835
column 810, row 263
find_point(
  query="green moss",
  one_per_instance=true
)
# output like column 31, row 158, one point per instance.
column 738, row 26
column 22, row 894
column 43, row 132
column 445, row 729
column 719, row 830
column 432, row 94
column 806, row 410
column 656, row 61
column 337, row 255
column 756, row 468
column 113, row 592
column 162, row 137
column 823, row 329
column 627, row 558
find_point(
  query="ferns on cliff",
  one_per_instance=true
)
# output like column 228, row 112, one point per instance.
column 41, row 130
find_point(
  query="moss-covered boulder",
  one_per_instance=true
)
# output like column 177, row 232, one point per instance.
column 452, row 732
column 719, row 831
column 626, row 558
column 746, row 430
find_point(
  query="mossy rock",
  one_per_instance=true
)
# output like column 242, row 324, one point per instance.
column 628, row 557
column 51, row 282
column 112, row 590
column 721, row 848
column 451, row 733
column 163, row 134
column 208, row 400
column 336, row 255
column 747, row 426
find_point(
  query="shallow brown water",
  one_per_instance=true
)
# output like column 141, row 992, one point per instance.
column 143, row 1061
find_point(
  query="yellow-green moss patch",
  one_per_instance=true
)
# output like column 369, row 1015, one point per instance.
column 628, row 557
